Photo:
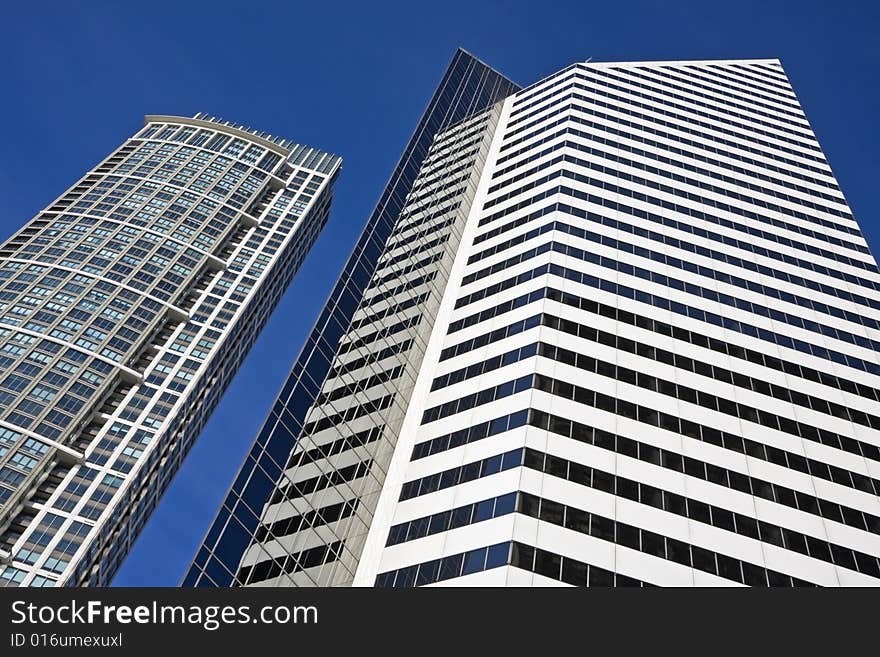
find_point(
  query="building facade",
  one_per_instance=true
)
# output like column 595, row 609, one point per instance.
column 126, row 307
column 646, row 356
column 234, row 545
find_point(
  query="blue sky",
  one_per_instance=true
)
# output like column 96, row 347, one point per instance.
column 353, row 78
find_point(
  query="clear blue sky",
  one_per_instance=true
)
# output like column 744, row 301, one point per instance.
column 352, row 78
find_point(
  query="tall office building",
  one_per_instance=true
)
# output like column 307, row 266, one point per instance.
column 624, row 333
column 126, row 307
column 238, row 534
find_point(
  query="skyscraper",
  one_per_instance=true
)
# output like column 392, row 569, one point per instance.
column 126, row 307
column 468, row 86
column 645, row 354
